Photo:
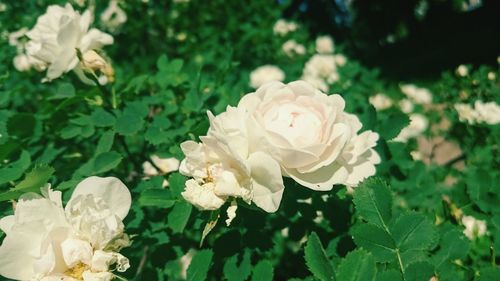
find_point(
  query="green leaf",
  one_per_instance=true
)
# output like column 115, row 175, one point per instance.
column 105, row 142
column 358, row 265
column 161, row 198
column 489, row 274
column 263, row 271
column 373, row 202
column 200, row 264
column 106, row 161
column 32, row 182
column 102, row 118
column 156, row 135
column 375, row 240
column 177, row 183
column 316, row 259
column 64, row 91
column 390, row 126
column 233, row 272
column 129, row 124
column 389, row 275
column 21, row 125
column 413, row 231
column 419, row 271
column 454, row 245
column 15, row 170
column 179, row 216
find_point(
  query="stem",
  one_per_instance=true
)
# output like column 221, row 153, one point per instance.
column 137, row 165
column 401, row 268
column 142, row 262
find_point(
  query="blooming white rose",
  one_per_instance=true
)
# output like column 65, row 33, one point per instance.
column 309, row 134
column 225, row 165
column 264, row 74
column 418, row 95
column 380, row 101
column 473, row 227
column 320, row 71
column 283, row 27
column 113, row 17
column 418, row 124
column 324, row 45
column 56, row 36
column 488, row 112
column 46, row 242
column 291, row 48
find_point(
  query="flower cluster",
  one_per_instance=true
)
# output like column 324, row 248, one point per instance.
column 292, row 48
column 46, row 241
column 59, row 35
column 291, row 130
column 488, row 112
column 416, row 94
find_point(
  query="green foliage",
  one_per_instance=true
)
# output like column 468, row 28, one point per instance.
column 198, row 269
column 316, row 259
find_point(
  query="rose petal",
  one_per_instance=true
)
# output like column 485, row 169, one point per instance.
column 267, row 182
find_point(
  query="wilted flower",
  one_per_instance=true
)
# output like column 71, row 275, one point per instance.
column 309, row 134
column 266, row 73
column 418, row 95
column 114, row 16
column 58, row 34
column 324, row 45
column 474, row 228
column 91, row 61
column 283, row 27
column 78, row 242
column 291, row 48
column 380, row 101
column 418, row 125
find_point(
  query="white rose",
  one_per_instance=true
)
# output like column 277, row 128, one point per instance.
column 380, row 101
column 113, row 16
column 45, row 242
column 321, row 67
column 56, row 36
column 97, row 276
column 225, row 166
column 324, row 45
column 265, row 74
column 466, row 113
column 488, row 112
column 473, row 227
column 291, row 48
column 309, row 134
column 418, row 124
column 418, row 95
column 406, row 105
column 283, row 27
column 462, row 70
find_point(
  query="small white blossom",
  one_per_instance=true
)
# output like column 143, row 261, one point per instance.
column 264, row 74
column 113, row 16
column 324, row 45
column 380, row 101
column 418, row 125
column 340, row 59
column 283, row 27
column 462, row 70
column 474, row 228
column 321, row 68
column 406, row 106
column 466, row 113
column 291, row 48
column 418, row 95
column 492, row 76
column 488, row 112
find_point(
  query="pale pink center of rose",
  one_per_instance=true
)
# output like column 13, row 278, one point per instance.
column 295, row 122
